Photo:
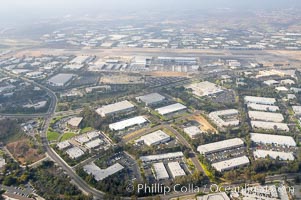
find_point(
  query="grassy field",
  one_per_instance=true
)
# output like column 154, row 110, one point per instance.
column 207, row 172
column 67, row 136
column 51, row 136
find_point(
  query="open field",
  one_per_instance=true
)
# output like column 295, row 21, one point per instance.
column 24, row 152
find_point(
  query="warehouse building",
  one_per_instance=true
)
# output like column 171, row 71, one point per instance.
column 101, row 174
column 75, row 153
column 171, row 109
column 297, row 110
column 160, row 171
column 94, row 144
column 265, row 116
column 261, row 107
column 118, row 126
column 273, row 139
column 225, row 118
column 119, row 107
column 151, row 99
column 60, row 80
column 63, row 145
column 193, row 131
column 155, row 138
column 162, row 157
column 204, row 88
column 220, row 146
column 233, row 163
column 269, row 126
column 80, row 60
column 74, row 122
column 273, row 154
column 260, row 100
column 176, row 169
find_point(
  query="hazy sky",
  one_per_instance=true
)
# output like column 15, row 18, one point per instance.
column 20, row 10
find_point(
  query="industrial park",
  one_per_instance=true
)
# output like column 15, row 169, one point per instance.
column 198, row 105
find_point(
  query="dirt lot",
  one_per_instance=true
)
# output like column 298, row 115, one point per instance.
column 23, row 152
column 205, row 125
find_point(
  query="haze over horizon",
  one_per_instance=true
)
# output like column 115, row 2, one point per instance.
column 18, row 11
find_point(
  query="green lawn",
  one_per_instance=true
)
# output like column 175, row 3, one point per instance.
column 51, row 135
column 87, row 129
column 67, row 136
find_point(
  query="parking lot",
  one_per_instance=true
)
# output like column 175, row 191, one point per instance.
column 21, row 191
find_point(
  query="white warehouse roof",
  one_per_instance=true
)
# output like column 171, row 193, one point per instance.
column 100, row 174
column 204, row 88
column 216, row 117
column 231, row 164
column 260, row 100
column 60, row 79
column 159, row 157
column 127, row 123
column 75, row 152
column 63, row 145
column 260, row 107
column 221, row 145
column 274, row 154
column 171, row 109
column 215, row 196
column 175, row 169
column 114, row 108
column 152, row 98
column 266, row 116
column 270, row 125
column 155, row 138
column 160, row 171
column 192, row 131
column 273, row 139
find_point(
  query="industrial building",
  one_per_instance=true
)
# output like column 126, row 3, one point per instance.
column 265, row 116
column 297, row 110
column 273, row 139
column 151, row 99
column 171, row 109
column 193, row 131
column 75, row 152
column 225, row 118
column 273, row 154
column 63, row 145
column 259, row 100
column 220, row 146
column 161, row 157
column 204, row 88
column 60, row 80
column 233, row 163
column 80, row 60
column 177, row 60
column 155, row 138
column 101, row 174
column 118, row 126
column 119, row 107
column 261, row 107
column 176, row 169
column 269, row 126
column 94, row 143
column 160, row 171
column 214, row 196
column 74, row 122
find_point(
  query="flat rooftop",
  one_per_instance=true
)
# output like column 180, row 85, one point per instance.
column 115, row 107
column 273, row 139
column 221, row 145
column 230, row 164
column 151, row 98
column 127, row 123
column 171, row 109
column 260, row 100
column 274, row 154
column 266, row 116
